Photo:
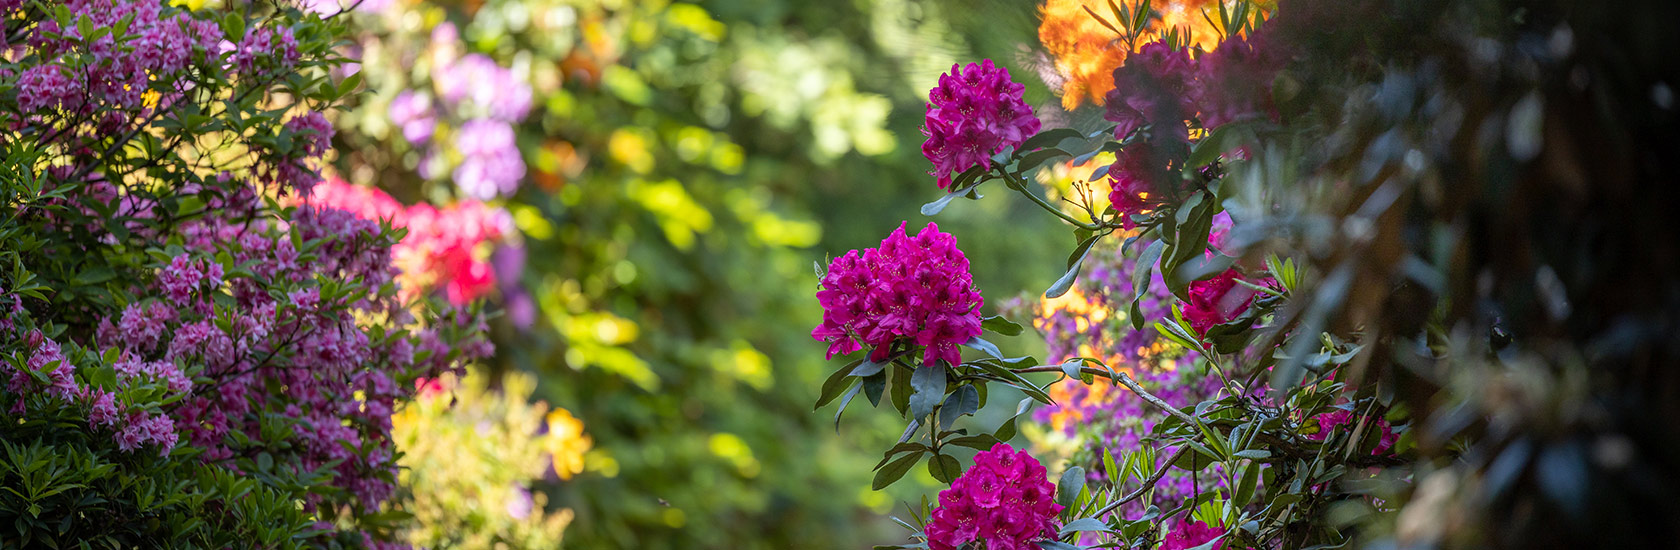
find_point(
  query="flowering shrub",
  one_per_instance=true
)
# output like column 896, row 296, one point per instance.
column 1273, row 184
column 470, row 456
column 168, row 318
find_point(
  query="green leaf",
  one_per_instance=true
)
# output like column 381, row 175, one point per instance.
column 1072, row 368
column 349, row 84
column 836, row 383
column 935, row 207
column 1035, row 158
column 1007, row 431
column 1218, row 142
column 869, row 367
column 894, row 470
column 901, row 389
column 944, row 468
column 1050, row 138
column 929, row 384
column 847, row 400
column 1074, row 263
column 233, row 26
column 979, row 442
column 980, row 344
column 1073, row 481
column 873, row 386
column 1000, row 325
column 1082, row 525
column 1253, row 454
column 964, row 401
column 1248, row 480
column 1141, row 278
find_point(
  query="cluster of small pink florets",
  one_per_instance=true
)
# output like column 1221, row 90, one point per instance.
column 1004, row 500
column 974, row 113
column 916, row 288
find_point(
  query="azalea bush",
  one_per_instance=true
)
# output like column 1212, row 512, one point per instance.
column 196, row 354
column 1345, row 274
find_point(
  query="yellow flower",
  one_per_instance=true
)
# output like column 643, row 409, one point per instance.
column 566, row 443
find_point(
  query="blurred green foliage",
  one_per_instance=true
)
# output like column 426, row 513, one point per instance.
column 688, row 163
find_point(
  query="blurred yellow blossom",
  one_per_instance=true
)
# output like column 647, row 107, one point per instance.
column 470, row 455
column 566, row 443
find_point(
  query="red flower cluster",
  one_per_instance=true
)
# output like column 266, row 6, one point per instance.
column 971, row 115
column 918, row 288
column 1004, row 500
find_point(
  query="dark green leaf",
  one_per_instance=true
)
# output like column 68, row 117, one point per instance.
column 1074, row 263
column 1141, row 279
column 873, row 386
column 944, row 468
column 1072, row 482
column 1035, row 158
column 1082, row 525
column 1000, row 325
column 836, row 383
column 842, row 408
column 964, row 401
column 1049, row 138
column 929, row 384
column 894, row 470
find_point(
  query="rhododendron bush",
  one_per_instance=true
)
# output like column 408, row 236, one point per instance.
column 196, row 354
column 1347, row 274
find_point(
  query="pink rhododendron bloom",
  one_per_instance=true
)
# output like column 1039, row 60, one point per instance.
column 1220, row 300
column 1234, row 81
column 1186, row 535
column 443, row 247
column 1153, row 88
column 972, row 114
column 1004, row 500
column 918, row 288
column 1338, row 418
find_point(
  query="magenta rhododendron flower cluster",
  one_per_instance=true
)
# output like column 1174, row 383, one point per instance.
column 1345, row 420
column 1004, row 500
column 1234, row 81
column 444, row 247
column 974, row 113
column 1222, row 299
column 1187, row 534
column 917, row 288
column 1164, row 89
column 1153, row 88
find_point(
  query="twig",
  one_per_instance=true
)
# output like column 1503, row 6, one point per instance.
column 1125, row 380
column 1147, row 483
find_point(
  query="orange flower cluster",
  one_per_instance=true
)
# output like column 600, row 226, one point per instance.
column 1087, row 51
